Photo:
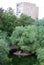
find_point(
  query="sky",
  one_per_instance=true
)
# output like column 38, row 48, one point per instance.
column 12, row 3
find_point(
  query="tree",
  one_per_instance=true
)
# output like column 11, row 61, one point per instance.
column 25, row 20
column 7, row 22
column 25, row 37
column 4, row 48
column 26, row 33
column 40, row 56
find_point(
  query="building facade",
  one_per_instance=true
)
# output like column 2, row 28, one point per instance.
column 28, row 9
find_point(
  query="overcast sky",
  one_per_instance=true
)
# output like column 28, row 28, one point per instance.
column 12, row 3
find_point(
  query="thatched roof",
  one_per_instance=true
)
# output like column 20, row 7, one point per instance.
column 19, row 53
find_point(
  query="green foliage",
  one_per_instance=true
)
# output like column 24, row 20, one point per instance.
column 25, row 20
column 24, row 60
column 25, row 37
column 40, row 53
column 4, row 50
column 26, row 33
column 7, row 21
column 40, row 56
column 41, row 35
column 30, row 38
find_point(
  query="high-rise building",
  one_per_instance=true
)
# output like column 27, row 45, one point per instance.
column 28, row 9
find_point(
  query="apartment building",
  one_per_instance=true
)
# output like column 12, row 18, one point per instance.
column 29, row 9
